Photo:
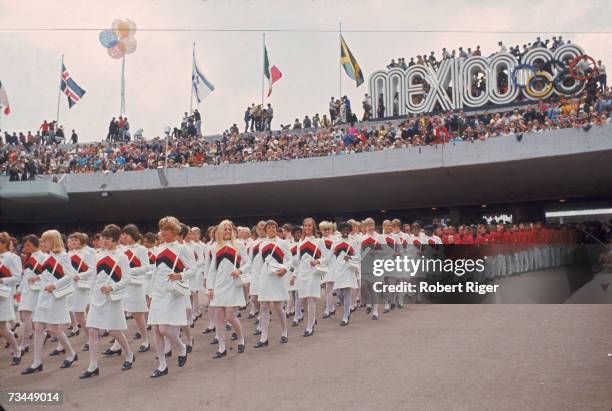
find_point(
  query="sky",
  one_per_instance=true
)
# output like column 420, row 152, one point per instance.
column 158, row 73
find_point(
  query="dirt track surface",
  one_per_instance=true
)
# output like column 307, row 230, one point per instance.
column 471, row 357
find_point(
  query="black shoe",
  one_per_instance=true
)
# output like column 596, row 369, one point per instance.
column 228, row 327
column 238, row 315
column 256, row 322
column 157, row 373
column 47, row 337
column 31, row 370
column 182, row 359
column 16, row 361
column 241, row 348
column 386, row 310
column 375, row 317
column 284, row 339
column 168, row 354
column 257, row 332
column 218, row 354
column 25, row 350
column 128, row 364
column 104, row 334
column 144, row 348
column 353, row 310
column 344, row 323
column 68, row 363
column 137, row 336
column 72, row 333
column 85, row 347
column 189, row 348
column 148, row 328
column 260, row 344
column 393, row 306
column 295, row 323
column 214, row 341
column 234, row 337
column 326, row 315
column 308, row 333
column 57, row 352
column 88, row 374
column 251, row 316
column 208, row 330
column 108, row 352
column 368, row 310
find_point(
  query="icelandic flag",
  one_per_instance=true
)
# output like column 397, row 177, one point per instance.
column 70, row 88
column 200, row 84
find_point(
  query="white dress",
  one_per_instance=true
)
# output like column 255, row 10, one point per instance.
column 166, row 307
column 84, row 263
column 328, row 241
column 197, row 282
column 246, row 246
column 111, row 269
column 31, row 268
column 256, row 263
column 308, row 277
column 57, row 270
column 227, row 290
column 138, row 260
column 344, row 275
column 10, row 275
column 371, row 246
column 271, row 287
column 151, row 255
column 293, row 248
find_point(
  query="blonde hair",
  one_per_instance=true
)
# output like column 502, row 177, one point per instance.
column 220, row 232
column 54, row 238
column 5, row 238
column 396, row 222
column 315, row 233
column 170, row 223
column 325, row 224
column 369, row 221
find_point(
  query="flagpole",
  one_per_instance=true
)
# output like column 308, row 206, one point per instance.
column 262, row 67
column 340, row 71
column 122, row 110
column 59, row 92
column 192, row 66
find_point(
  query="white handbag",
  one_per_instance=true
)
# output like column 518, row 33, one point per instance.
column 354, row 264
column 179, row 287
column 137, row 279
column 62, row 292
column 34, row 286
column 5, row 291
column 82, row 285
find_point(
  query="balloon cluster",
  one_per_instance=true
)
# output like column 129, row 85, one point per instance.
column 119, row 40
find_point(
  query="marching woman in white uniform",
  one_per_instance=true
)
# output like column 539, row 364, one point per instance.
column 274, row 258
column 371, row 243
column 188, row 277
column 136, row 300
column 10, row 275
column 83, row 261
column 243, row 235
column 51, row 308
column 327, row 231
column 106, row 311
column 345, row 252
column 260, row 230
column 208, row 254
column 293, row 304
column 167, row 313
column 227, row 267
column 149, row 241
column 29, row 291
column 197, row 283
column 310, row 253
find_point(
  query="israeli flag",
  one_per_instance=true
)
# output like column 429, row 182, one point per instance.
column 201, row 86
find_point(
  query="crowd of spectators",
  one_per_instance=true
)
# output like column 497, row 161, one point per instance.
column 24, row 161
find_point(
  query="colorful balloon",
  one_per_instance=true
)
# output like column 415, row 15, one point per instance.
column 116, row 51
column 108, row 39
column 128, row 44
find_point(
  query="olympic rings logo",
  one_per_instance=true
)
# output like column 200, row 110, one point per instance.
column 569, row 78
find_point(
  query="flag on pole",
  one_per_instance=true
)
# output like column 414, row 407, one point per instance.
column 4, row 102
column 200, row 84
column 273, row 74
column 349, row 63
column 70, row 88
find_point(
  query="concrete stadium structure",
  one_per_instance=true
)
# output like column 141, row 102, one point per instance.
column 568, row 163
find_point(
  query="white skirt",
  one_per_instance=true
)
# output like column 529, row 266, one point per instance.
column 308, row 282
column 254, row 284
column 344, row 277
column 28, row 299
column 135, row 302
column 78, row 300
column 51, row 311
column 197, row 282
column 108, row 316
column 7, row 311
column 271, row 287
column 167, row 308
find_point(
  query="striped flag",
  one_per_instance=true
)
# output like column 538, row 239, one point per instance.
column 200, row 84
column 273, row 74
column 71, row 89
column 349, row 63
column 4, row 102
